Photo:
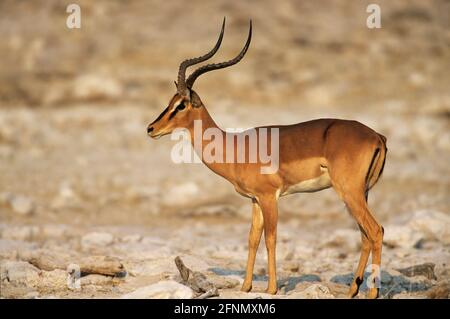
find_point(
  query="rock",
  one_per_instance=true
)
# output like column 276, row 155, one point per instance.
column 196, row 280
column 315, row 291
column 196, row 262
column 66, row 190
column 151, row 268
column 24, row 233
column 426, row 270
column 5, row 197
column 401, row 236
column 347, row 239
column 55, row 279
column 19, row 273
column 230, row 251
column 293, row 283
column 289, row 255
column 45, row 259
column 168, row 289
column 433, row 225
column 338, row 290
column 96, row 86
column 102, row 265
column 21, row 205
column 417, row 79
column 423, row 225
column 232, row 294
column 391, row 283
column 401, row 283
column 66, row 197
column 143, row 194
column 210, row 210
column 440, row 291
column 95, row 280
column 291, row 266
column 10, row 248
column 180, row 194
column 131, row 238
column 54, row 231
column 224, row 282
column 96, row 239
column 31, row 295
column 408, row 295
column 261, row 271
column 286, row 251
column 141, row 251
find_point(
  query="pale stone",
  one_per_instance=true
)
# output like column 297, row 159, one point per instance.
column 22, row 205
column 168, row 289
column 315, row 291
column 97, row 239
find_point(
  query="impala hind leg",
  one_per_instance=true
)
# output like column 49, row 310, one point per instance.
column 359, row 274
column 351, row 177
column 371, row 230
column 366, row 248
column 253, row 244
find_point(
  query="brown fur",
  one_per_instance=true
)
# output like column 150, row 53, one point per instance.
column 351, row 153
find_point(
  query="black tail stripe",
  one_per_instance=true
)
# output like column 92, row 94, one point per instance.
column 372, row 163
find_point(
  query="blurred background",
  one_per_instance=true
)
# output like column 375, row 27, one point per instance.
column 79, row 174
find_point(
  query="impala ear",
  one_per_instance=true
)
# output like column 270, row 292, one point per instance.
column 195, row 99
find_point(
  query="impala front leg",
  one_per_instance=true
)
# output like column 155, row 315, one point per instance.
column 253, row 244
column 270, row 214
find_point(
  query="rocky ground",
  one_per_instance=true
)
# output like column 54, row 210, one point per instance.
column 82, row 187
column 127, row 200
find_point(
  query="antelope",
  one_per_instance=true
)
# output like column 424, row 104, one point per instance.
column 313, row 155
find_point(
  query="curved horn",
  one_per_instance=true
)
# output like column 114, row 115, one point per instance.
column 215, row 66
column 181, row 87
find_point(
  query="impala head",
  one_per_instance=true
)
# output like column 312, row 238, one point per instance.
column 186, row 106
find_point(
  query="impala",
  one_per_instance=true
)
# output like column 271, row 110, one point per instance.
column 313, row 156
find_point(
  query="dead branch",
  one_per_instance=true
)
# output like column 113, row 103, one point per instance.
column 47, row 260
column 196, row 281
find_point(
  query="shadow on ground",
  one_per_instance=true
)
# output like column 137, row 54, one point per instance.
column 390, row 284
column 289, row 283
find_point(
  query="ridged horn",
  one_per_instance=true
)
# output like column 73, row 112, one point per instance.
column 215, row 66
column 181, row 87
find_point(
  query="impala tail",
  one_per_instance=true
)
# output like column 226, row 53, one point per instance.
column 377, row 165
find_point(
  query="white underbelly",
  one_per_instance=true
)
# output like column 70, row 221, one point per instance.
column 310, row 185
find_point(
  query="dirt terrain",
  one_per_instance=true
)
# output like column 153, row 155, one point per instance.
column 79, row 177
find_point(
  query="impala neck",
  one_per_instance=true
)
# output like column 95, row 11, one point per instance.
column 197, row 132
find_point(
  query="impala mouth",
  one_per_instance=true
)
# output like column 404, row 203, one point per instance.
column 158, row 135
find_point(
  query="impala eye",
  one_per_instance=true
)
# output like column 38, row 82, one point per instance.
column 180, row 107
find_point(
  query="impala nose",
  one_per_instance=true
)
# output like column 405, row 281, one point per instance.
column 149, row 130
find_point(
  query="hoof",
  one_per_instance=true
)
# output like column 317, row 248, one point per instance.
column 353, row 291
column 272, row 291
column 354, row 288
column 246, row 288
column 373, row 293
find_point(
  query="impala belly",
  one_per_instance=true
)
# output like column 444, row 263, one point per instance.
column 310, row 185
